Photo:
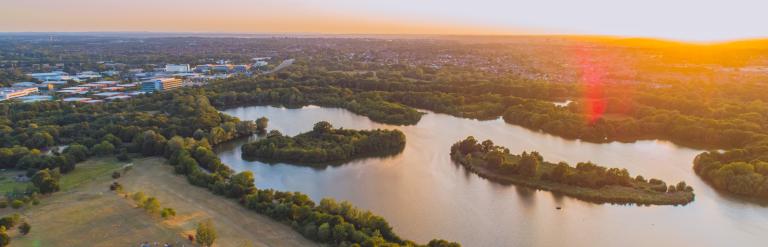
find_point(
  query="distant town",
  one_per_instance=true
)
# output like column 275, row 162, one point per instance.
column 120, row 82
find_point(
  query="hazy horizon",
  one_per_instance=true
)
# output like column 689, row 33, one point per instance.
column 711, row 21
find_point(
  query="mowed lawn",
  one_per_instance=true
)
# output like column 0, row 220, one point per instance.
column 87, row 213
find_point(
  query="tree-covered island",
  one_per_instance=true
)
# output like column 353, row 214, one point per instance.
column 324, row 145
column 586, row 181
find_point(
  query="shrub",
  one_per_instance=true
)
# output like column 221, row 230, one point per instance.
column 116, row 187
column 24, row 228
column 167, row 213
column 17, row 204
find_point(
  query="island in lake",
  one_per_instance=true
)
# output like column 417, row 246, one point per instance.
column 586, row 181
column 324, row 144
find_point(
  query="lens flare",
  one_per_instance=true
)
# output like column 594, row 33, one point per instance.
column 592, row 81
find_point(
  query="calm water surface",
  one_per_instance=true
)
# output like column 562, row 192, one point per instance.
column 424, row 195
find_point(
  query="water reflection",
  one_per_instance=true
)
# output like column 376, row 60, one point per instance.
column 424, row 195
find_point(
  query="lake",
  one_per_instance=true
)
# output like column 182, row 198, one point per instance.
column 424, row 195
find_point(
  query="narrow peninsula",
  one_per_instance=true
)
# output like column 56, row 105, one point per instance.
column 325, row 145
column 586, row 181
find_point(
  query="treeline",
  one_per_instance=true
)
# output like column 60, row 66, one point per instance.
column 325, row 144
column 247, row 92
column 530, row 169
column 739, row 171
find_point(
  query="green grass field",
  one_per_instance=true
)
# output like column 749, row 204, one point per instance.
column 88, row 171
column 8, row 183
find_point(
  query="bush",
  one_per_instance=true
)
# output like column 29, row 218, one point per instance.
column 152, row 205
column 10, row 221
column 24, row 228
column 115, row 186
column 167, row 213
column 116, row 175
column 139, row 198
column 17, row 204
column 123, row 155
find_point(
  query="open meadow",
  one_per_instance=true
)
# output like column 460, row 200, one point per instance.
column 87, row 213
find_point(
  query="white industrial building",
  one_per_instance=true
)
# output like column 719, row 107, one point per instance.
column 177, row 68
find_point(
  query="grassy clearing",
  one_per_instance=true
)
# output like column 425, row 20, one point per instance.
column 8, row 182
column 88, row 171
column 87, row 213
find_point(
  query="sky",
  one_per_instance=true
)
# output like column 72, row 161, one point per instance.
column 685, row 20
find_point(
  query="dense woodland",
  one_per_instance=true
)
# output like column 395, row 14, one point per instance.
column 324, row 144
column 600, row 183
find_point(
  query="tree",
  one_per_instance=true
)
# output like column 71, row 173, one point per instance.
column 5, row 240
column 10, row 221
column 152, row 205
column 24, row 228
column 15, row 204
column 40, row 140
column 167, row 213
column 139, row 198
column 103, row 149
column 322, row 127
column 205, row 234
column 495, row 159
column 241, row 184
column 342, row 231
column 261, row 124
column 65, row 162
column 487, row 146
column 123, row 155
column 442, row 243
column 79, row 152
column 324, row 232
column 46, row 181
column 528, row 164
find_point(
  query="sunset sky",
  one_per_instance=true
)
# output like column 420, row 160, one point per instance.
column 689, row 20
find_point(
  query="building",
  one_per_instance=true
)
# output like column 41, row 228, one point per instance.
column 160, row 84
column 177, row 68
column 110, row 73
column 51, row 76
column 15, row 92
column 107, row 94
column 73, row 90
column 87, row 75
column 118, row 97
column 107, row 83
column 34, row 98
column 75, row 99
column 24, row 84
column 93, row 85
column 56, row 84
